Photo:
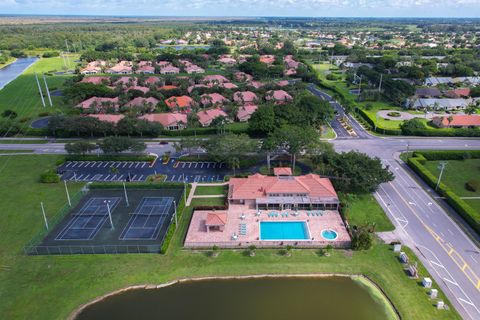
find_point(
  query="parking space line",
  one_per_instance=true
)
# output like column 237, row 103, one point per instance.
column 133, row 178
column 120, row 177
column 86, row 177
column 137, row 165
column 79, row 177
column 144, row 164
column 106, row 178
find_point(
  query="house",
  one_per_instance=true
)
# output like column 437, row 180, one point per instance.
column 112, row 118
column 213, row 99
column 242, row 76
column 205, row 117
column 245, row 97
column 227, row 61
column 124, row 81
column 95, row 80
column 457, row 121
column 181, row 103
column 278, row 96
column 167, row 87
column 169, row 69
column 290, row 63
column 163, row 64
column 244, row 113
column 283, row 83
column 458, row 93
column 123, row 67
column 438, row 104
column 267, row 58
column 92, row 67
column 290, row 72
column 169, row 121
column 99, row 104
column 228, row 85
column 428, row 93
column 150, row 102
column 194, row 69
column 308, row 192
column 256, row 84
column 151, row 80
column 138, row 88
column 145, row 69
column 214, row 79
column 191, row 88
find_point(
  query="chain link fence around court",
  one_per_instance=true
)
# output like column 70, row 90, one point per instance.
column 54, row 221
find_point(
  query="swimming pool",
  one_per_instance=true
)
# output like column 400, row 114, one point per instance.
column 329, row 235
column 284, row 230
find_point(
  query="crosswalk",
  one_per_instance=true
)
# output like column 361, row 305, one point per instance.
column 70, row 165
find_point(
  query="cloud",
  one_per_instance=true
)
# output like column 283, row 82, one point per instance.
column 245, row 7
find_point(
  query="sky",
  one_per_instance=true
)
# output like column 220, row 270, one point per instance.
column 305, row 8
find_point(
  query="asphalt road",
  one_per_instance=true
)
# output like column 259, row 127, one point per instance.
column 423, row 222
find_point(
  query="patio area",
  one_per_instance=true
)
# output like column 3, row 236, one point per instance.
column 240, row 229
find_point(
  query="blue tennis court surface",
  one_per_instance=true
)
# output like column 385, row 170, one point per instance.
column 89, row 220
column 150, row 215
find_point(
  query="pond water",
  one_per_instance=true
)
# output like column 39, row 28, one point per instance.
column 333, row 298
column 13, row 70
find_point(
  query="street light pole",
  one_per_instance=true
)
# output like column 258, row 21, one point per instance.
column 175, row 213
column 109, row 213
column 126, row 196
column 44, row 215
column 68, row 194
column 442, row 166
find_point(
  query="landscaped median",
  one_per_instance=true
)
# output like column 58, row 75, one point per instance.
column 417, row 163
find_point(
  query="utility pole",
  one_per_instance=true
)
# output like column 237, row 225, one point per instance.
column 359, row 88
column 68, row 51
column 175, row 213
column 380, row 85
column 48, row 91
column 442, row 166
column 107, row 202
column 40, row 90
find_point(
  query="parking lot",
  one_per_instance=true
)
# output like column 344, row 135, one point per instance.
column 137, row 171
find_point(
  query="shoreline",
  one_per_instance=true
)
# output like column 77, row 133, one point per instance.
column 8, row 63
column 387, row 302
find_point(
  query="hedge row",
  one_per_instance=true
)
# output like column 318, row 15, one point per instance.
column 366, row 117
column 107, row 157
column 471, row 216
column 447, row 155
column 201, row 132
column 173, row 226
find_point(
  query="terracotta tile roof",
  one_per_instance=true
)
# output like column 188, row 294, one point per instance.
column 113, row 118
column 278, row 96
column 215, row 99
column 168, row 87
column 245, row 97
column 458, row 121
column 205, row 117
column 216, row 219
column 166, row 119
column 458, row 93
column 169, row 69
column 268, row 58
column 125, row 80
column 141, row 101
column 245, row 112
column 179, row 102
column 282, row 171
column 283, row 83
column 95, row 80
column 242, row 76
column 256, row 84
column 152, row 80
column 98, row 101
column 228, row 85
column 215, row 78
column 139, row 88
column 258, row 186
column 146, row 69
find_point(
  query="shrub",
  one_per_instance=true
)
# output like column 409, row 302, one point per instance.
column 49, row 176
column 394, row 114
column 473, row 185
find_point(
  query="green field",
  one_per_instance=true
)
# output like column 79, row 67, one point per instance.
column 50, row 287
column 210, row 190
column 364, row 209
column 21, row 95
column 456, row 174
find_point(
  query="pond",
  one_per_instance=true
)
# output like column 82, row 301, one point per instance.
column 13, row 70
column 297, row 298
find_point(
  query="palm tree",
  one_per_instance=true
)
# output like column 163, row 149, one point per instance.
column 472, row 107
column 234, row 164
column 449, row 119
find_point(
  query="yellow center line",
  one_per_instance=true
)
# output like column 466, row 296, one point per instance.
column 476, row 281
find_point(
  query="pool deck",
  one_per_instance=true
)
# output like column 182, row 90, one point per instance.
column 198, row 237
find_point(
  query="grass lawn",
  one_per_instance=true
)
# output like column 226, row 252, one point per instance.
column 220, row 201
column 21, row 95
column 9, row 61
column 211, row 190
column 364, row 209
column 456, row 174
column 50, row 287
column 327, row 133
column 5, row 151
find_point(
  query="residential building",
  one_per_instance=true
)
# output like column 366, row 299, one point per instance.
column 278, row 96
column 205, row 117
column 457, row 121
column 112, row 118
column 181, row 103
column 245, row 97
column 99, row 104
column 169, row 121
column 213, row 99
column 244, row 113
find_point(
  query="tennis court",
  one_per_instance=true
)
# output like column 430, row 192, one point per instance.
column 139, row 222
column 89, row 220
column 148, row 218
